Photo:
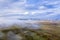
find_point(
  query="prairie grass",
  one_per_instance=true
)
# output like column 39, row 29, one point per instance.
column 47, row 32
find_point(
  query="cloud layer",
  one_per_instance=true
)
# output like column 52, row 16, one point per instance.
column 42, row 9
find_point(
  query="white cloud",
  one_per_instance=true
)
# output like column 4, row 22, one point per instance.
column 42, row 7
column 51, row 2
column 20, row 7
column 54, row 11
column 26, row 13
column 12, row 8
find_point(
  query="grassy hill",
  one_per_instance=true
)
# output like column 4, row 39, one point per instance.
column 48, row 31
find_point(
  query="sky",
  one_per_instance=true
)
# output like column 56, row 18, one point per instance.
column 41, row 9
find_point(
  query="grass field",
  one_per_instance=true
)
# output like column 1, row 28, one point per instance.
column 48, row 31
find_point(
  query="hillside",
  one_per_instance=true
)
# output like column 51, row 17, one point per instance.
column 47, row 30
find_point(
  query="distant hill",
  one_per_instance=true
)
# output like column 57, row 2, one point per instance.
column 41, row 17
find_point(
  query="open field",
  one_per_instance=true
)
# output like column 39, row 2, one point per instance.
column 47, row 30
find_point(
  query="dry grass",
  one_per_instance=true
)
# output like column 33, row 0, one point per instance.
column 48, row 31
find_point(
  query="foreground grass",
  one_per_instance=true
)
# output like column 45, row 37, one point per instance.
column 47, row 32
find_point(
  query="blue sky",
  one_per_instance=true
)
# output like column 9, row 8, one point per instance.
column 42, row 9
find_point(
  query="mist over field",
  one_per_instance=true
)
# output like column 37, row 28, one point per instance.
column 29, row 19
